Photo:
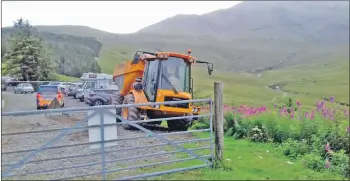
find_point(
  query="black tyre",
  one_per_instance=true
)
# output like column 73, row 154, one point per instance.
column 75, row 96
column 62, row 105
column 38, row 108
column 179, row 124
column 118, row 100
column 97, row 103
column 81, row 99
column 130, row 113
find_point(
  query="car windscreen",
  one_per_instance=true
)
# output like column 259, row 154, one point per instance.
column 48, row 89
column 54, row 83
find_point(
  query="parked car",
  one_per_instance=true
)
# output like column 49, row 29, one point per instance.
column 24, row 88
column 46, row 94
column 12, row 82
column 73, row 88
column 100, row 96
column 63, row 85
column 3, row 86
column 80, row 94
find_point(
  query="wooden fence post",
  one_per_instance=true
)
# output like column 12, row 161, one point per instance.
column 218, row 121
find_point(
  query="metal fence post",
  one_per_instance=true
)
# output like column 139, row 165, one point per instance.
column 219, row 121
column 211, row 134
column 103, row 163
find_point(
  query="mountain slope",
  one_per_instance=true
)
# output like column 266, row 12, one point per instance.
column 252, row 36
column 73, row 55
column 317, row 22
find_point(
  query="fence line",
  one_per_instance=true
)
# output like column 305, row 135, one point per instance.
column 105, row 116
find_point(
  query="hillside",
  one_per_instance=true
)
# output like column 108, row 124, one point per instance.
column 73, row 55
column 251, row 36
column 285, row 20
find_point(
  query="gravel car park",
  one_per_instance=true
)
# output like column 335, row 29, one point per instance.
column 26, row 102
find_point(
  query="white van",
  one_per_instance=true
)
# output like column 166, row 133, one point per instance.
column 93, row 81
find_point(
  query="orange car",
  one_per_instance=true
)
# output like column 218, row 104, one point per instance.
column 46, row 94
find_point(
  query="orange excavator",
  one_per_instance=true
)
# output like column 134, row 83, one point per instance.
column 158, row 77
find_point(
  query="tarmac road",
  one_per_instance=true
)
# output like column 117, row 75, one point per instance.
column 27, row 102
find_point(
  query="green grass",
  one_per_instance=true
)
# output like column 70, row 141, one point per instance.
column 64, row 78
column 331, row 78
column 314, row 80
column 244, row 160
column 112, row 55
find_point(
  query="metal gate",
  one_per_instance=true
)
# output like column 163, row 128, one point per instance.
column 104, row 151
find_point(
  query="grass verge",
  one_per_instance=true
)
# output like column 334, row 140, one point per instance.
column 249, row 161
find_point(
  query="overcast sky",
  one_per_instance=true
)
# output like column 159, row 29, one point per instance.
column 112, row 16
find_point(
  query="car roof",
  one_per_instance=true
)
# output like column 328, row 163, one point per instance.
column 56, row 86
column 24, row 84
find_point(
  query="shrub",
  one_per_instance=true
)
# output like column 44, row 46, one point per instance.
column 293, row 149
column 258, row 135
column 340, row 163
column 201, row 123
column 314, row 162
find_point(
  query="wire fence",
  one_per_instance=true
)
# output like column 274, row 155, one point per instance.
column 88, row 143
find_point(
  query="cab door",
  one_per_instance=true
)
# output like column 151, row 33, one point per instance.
column 150, row 80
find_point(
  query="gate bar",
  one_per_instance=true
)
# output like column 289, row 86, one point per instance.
column 22, row 113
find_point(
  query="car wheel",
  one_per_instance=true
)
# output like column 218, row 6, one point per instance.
column 75, row 96
column 81, row 99
column 62, row 105
column 98, row 103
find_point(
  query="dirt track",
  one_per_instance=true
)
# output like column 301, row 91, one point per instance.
column 17, row 102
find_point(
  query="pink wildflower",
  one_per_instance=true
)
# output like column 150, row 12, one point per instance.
column 291, row 115
column 327, row 164
column 312, row 116
column 327, row 147
column 298, row 103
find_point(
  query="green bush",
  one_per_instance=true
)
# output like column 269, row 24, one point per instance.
column 340, row 163
column 314, row 162
column 201, row 123
column 258, row 134
column 294, row 149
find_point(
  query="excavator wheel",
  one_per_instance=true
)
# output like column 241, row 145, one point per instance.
column 119, row 101
column 130, row 113
column 179, row 124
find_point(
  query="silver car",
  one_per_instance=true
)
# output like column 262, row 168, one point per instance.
column 80, row 94
column 73, row 88
column 24, row 88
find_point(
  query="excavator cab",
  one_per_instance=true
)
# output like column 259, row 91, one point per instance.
column 159, row 77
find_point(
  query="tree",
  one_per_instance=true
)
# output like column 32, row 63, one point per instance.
column 95, row 67
column 27, row 57
column 62, row 65
column 3, row 49
column 4, row 66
